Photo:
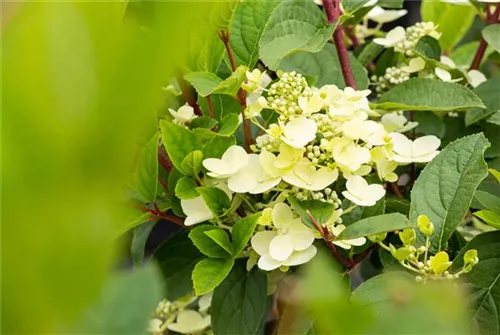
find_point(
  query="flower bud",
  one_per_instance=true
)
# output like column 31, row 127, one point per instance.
column 470, row 257
column 402, row 254
column 425, row 225
column 440, row 262
column 407, row 236
column 377, row 237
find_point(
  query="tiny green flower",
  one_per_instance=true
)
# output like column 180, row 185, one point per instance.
column 407, row 236
column 470, row 257
column 375, row 238
column 402, row 253
column 425, row 225
column 440, row 262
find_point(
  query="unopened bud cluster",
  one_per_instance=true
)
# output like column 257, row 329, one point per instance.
column 284, row 94
column 413, row 34
column 393, row 76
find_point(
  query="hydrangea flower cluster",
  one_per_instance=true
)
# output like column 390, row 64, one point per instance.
column 325, row 144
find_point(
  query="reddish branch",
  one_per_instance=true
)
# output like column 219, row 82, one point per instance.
column 187, row 93
column 164, row 160
column 224, row 36
column 481, row 50
column 210, row 107
column 333, row 11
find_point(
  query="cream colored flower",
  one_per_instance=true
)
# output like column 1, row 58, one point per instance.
column 392, row 38
column 348, row 155
column 298, row 132
column 183, row 115
column 189, row 322
column 233, row 160
column 362, row 194
column 306, row 176
column 422, row 150
column 196, row 211
column 380, row 15
column 415, row 65
column 346, row 244
column 475, row 78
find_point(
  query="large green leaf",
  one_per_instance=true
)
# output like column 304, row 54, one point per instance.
column 488, row 92
column 293, row 26
column 146, row 175
column 491, row 34
column 206, row 244
column 178, row 142
column 422, row 94
column 489, row 217
column 177, row 257
column 444, row 15
column 428, row 48
column 207, row 83
column 324, row 66
column 445, row 188
column 239, row 302
column 247, row 27
column 216, row 147
column 242, row 232
column 222, row 105
column 125, row 305
column 487, row 201
column 209, row 273
column 376, row 224
column 483, row 282
column 464, row 54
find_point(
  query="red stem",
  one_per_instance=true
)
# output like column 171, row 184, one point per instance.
column 210, row 107
column 164, row 160
column 481, row 50
column 333, row 11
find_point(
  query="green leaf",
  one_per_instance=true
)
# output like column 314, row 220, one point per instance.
column 445, row 15
column 239, row 302
column 377, row 209
column 220, row 237
column 206, row 52
column 125, row 305
column 216, row 147
column 375, row 225
column 370, row 51
column 209, row 273
column 206, row 244
column 422, row 94
column 445, row 188
column 138, row 244
column 146, row 174
column 203, row 122
column 178, row 142
column 242, row 232
column 350, row 6
column 428, row 48
column 483, row 282
column 390, row 3
column 489, row 217
column 324, row 66
column 204, row 82
column 191, row 164
column 216, row 199
column 232, row 84
column 293, row 26
column 429, row 124
column 396, row 205
column 247, row 27
column 491, row 34
column 487, row 200
column 229, row 124
column 488, row 93
column 143, row 218
column 494, row 119
column 464, row 54
column 186, row 188
column 321, row 211
column 177, row 257
column 222, row 105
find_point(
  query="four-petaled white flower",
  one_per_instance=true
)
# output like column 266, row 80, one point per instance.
column 256, row 81
column 298, row 132
column 254, row 178
column 362, row 194
column 392, row 38
column 348, row 155
column 311, row 105
column 380, row 15
column 422, row 150
column 395, row 122
column 233, row 160
column 305, row 175
column 183, row 115
column 189, row 322
column 196, row 211
column 369, row 131
column 346, row 244
column 475, row 78
column 255, row 104
column 290, row 244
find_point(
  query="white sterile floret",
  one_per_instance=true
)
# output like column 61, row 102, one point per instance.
column 351, row 103
column 422, row 150
column 369, row 131
column 396, row 122
column 255, row 104
column 311, row 105
column 231, row 162
column 348, row 155
column 346, row 244
column 445, row 75
column 196, row 211
column 254, row 178
column 385, row 165
column 380, row 15
column 205, row 302
column 154, row 325
column 183, row 115
column 305, row 175
column 290, row 244
column 392, row 38
column 362, row 194
column 189, row 322
column 448, row 62
column 298, row 132
column 256, row 80
column 415, row 65
column 475, row 78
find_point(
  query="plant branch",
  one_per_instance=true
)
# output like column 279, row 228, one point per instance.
column 187, row 93
column 210, row 107
column 395, row 189
column 164, row 160
column 481, row 49
column 333, row 11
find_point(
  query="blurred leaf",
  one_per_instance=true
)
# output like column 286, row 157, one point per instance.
column 207, row 245
column 186, row 188
column 369, row 52
column 487, row 201
column 250, row 18
column 293, row 26
column 482, row 283
column 229, row 124
column 222, row 105
column 146, row 175
column 374, row 225
column 428, row 48
column 390, row 3
column 324, row 65
column 488, row 93
column 239, row 302
column 350, row 6
column 489, row 217
column 242, row 231
column 464, row 54
column 429, row 124
column 216, row 147
column 179, row 142
column 209, row 273
column 321, row 211
column 216, row 199
column 177, row 257
column 138, row 244
column 422, row 94
column 446, row 186
column 444, row 15
column 143, row 218
column 204, row 122
column 490, row 35
column 126, row 303
column 207, row 83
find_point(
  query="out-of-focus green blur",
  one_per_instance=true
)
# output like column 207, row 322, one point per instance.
column 81, row 81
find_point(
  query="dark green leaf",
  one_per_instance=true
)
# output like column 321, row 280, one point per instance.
column 209, row 273
column 146, row 175
column 369, row 52
column 321, row 211
column 239, row 302
column 396, row 205
column 242, row 232
column 138, row 244
column 428, row 48
column 229, row 124
column 488, row 93
column 491, row 35
column 374, row 225
column 203, row 122
column 186, row 188
column 216, row 199
column 191, row 164
column 206, row 244
column 222, row 105
column 178, row 142
column 487, row 201
column 429, row 124
column 216, row 147
column 446, row 186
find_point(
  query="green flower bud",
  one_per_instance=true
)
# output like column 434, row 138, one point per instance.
column 402, row 254
column 407, row 236
column 425, row 225
column 440, row 262
column 377, row 237
column 470, row 257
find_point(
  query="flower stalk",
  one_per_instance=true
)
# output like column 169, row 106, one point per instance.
column 481, row 50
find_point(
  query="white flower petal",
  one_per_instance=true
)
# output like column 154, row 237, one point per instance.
column 380, row 15
column 196, row 211
column 242, row 182
column 236, row 156
column 281, row 247
column 301, row 257
column 261, row 240
column 301, row 239
column 282, row 215
column 189, row 321
column 425, row 145
column 322, row 178
column 267, row 263
column 356, row 241
column 442, row 74
column 448, row 62
column 393, row 37
column 299, row 131
column 475, row 78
